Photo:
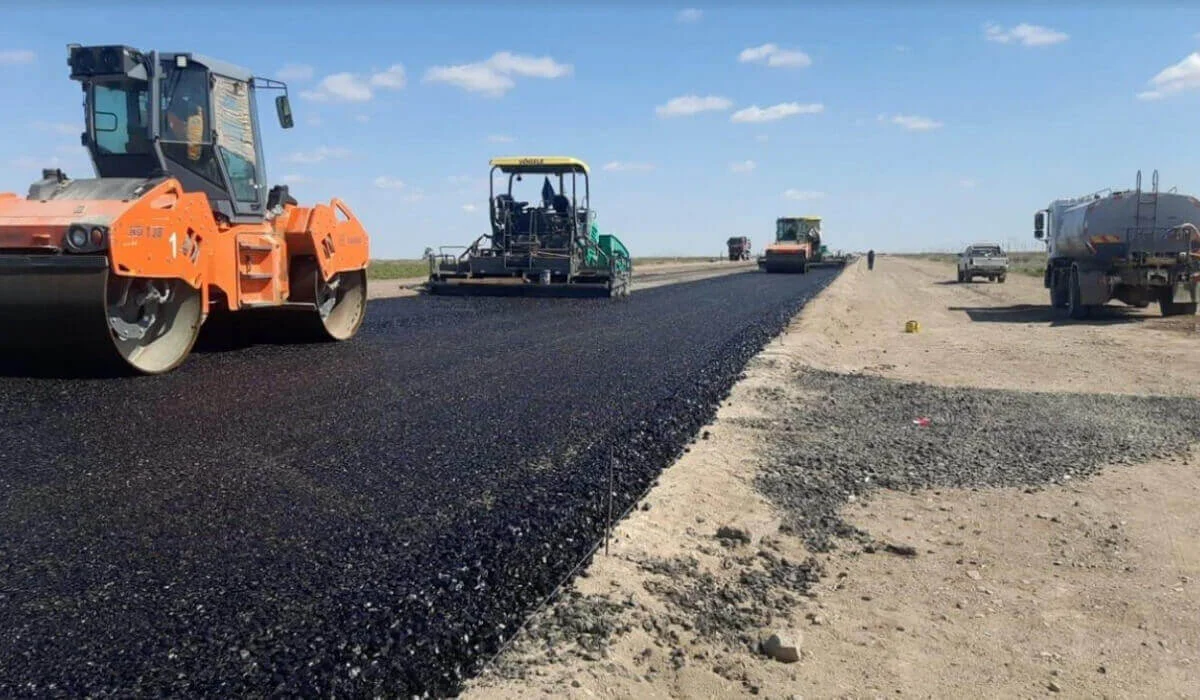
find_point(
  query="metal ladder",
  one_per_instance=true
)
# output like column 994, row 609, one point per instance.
column 1145, row 217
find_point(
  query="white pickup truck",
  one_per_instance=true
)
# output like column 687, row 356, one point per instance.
column 982, row 260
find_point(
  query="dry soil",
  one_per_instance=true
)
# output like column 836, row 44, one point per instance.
column 1083, row 588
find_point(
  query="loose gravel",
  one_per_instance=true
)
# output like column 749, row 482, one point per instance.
column 856, row 433
column 369, row 518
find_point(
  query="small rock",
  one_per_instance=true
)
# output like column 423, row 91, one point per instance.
column 903, row 550
column 782, row 648
column 974, row 575
column 1054, row 687
column 576, row 684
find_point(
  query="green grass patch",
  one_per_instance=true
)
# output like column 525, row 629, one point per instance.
column 397, row 269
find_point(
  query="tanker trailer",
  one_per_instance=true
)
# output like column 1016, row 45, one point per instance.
column 1134, row 246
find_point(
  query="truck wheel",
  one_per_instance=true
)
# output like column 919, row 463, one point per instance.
column 1058, row 290
column 1075, row 307
column 1001, row 278
column 1170, row 308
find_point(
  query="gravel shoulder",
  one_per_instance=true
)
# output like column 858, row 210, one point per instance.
column 644, row 277
column 1028, row 540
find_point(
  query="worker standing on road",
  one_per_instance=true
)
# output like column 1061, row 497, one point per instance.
column 871, row 259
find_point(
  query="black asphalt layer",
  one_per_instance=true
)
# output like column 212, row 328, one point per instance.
column 372, row 517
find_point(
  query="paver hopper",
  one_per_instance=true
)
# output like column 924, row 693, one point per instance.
column 124, row 268
column 553, row 248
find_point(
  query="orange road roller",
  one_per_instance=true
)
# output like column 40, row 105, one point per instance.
column 124, row 268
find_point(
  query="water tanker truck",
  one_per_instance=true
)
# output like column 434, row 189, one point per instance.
column 1134, row 246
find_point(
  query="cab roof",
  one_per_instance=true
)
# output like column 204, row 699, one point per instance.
column 799, row 218
column 540, row 164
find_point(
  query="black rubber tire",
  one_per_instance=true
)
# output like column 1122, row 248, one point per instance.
column 1170, row 308
column 1075, row 308
column 1001, row 278
column 960, row 276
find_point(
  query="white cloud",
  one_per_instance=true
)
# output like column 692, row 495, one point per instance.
column 495, row 76
column 802, row 195
column 620, row 166
column 13, row 57
column 294, row 179
column 689, row 15
column 775, row 57
column 911, row 122
column 469, row 208
column 352, row 87
column 500, row 138
column 755, row 114
column 1024, row 34
column 318, row 155
column 1182, row 76
column 63, row 128
column 340, row 87
column 745, row 166
column 692, row 104
column 384, row 182
column 71, row 162
column 295, row 71
column 393, row 78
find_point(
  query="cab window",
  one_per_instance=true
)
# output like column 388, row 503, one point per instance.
column 119, row 118
column 235, row 137
column 186, row 124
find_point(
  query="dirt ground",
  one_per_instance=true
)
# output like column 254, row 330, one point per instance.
column 646, row 276
column 1087, row 588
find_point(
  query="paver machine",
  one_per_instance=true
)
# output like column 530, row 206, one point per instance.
column 124, row 267
column 552, row 248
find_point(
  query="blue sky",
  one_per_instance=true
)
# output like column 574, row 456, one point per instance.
column 919, row 128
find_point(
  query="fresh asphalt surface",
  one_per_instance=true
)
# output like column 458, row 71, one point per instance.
column 371, row 517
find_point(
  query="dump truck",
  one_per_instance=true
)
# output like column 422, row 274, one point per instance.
column 553, row 248
column 1134, row 246
column 739, row 248
column 122, row 269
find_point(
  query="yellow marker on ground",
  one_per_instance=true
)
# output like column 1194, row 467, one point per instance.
column 911, row 327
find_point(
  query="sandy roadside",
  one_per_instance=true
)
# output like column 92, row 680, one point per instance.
column 644, row 277
column 1085, row 588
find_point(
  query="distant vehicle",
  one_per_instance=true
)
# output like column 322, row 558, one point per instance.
column 739, row 248
column 983, row 260
column 797, row 239
column 1134, row 246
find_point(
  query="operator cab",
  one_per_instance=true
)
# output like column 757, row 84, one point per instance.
column 795, row 230
column 559, row 215
column 178, row 114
